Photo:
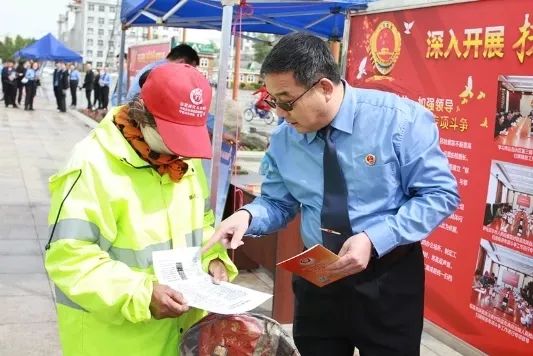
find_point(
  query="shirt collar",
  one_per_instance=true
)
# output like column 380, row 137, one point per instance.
column 343, row 120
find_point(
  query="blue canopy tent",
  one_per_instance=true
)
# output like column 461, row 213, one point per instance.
column 327, row 19
column 50, row 49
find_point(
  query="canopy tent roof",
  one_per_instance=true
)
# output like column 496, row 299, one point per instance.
column 323, row 18
column 49, row 48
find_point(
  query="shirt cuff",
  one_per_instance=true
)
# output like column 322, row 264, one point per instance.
column 382, row 238
column 254, row 229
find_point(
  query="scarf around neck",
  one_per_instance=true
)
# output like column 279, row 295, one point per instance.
column 162, row 163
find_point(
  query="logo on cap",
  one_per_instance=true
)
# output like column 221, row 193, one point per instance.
column 197, row 96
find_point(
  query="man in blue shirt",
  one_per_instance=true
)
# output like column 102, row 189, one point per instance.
column 104, row 82
column 74, row 79
column 397, row 189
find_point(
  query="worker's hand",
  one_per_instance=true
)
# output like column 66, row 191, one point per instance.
column 354, row 255
column 166, row 302
column 230, row 231
column 217, row 269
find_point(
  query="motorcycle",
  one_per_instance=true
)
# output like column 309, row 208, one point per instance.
column 253, row 112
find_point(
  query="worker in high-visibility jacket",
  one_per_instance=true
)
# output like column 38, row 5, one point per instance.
column 132, row 187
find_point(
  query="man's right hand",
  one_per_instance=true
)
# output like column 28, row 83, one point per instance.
column 166, row 302
column 230, row 231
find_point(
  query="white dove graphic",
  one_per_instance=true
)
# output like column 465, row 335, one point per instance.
column 408, row 26
column 469, row 83
column 362, row 66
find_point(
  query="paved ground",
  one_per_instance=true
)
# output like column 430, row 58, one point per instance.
column 33, row 146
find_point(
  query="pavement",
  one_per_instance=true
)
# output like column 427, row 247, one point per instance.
column 34, row 145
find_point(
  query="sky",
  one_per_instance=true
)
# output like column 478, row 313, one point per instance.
column 35, row 18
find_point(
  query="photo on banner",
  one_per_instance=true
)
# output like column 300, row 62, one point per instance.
column 514, row 113
column 502, row 288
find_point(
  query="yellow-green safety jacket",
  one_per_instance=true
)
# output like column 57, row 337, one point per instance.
column 109, row 211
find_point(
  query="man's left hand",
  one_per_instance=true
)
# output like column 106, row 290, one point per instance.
column 217, row 269
column 354, row 255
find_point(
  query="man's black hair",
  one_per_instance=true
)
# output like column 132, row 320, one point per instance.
column 143, row 78
column 307, row 56
column 185, row 52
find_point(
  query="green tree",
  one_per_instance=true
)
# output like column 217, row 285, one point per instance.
column 9, row 46
column 261, row 48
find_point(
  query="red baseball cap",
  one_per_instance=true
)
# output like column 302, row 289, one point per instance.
column 179, row 96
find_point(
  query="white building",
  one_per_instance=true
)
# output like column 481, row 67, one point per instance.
column 92, row 28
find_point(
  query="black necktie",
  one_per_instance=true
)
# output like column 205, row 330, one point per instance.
column 336, row 227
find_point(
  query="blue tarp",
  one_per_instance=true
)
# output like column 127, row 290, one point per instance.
column 50, row 49
column 323, row 18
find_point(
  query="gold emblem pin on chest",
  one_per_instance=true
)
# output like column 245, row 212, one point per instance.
column 370, row 159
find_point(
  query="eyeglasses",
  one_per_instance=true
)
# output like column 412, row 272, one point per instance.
column 288, row 105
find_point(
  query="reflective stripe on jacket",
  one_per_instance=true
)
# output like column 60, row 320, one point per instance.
column 109, row 211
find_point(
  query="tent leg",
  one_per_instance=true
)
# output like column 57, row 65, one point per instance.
column 225, row 49
column 121, row 65
column 345, row 42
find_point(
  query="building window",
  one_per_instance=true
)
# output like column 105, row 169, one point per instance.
column 100, row 43
column 101, row 20
column 204, row 62
column 91, row 7
column 110, row 32
column 250, row 78
column 101, row 8
column 100, row 32
column 90, row 19
column 90, row 30
column 89, row 53
column 111, row 44
column 90, row 42
column 99, row 54
column 111, row 22
column 241, row 78
column 98, row 64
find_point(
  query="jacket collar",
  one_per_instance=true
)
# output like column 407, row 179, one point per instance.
column 114, row 142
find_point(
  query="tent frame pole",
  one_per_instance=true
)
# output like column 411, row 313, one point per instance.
column 225, row 53
column 121, row 65
column 345, row 42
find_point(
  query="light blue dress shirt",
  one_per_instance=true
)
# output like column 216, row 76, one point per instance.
column 400, row 199
column 75, row 75
column 30, row 74
column 105, row 80
column 135, row 88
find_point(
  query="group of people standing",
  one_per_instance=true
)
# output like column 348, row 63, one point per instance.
column 99, row 83
column 69, row 79
column 16, row 80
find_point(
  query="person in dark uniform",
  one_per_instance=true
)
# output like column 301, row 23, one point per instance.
column 74, row 79
column 371, row 183
column 6, row 70
column 29, row 81
column 97, row 92
column 9, row 81
column 63, row 87
column 56, row 82
column 21, row 71
column 88, row 84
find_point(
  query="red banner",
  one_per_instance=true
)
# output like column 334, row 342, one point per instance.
column 143, row 54
column 473, row 68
